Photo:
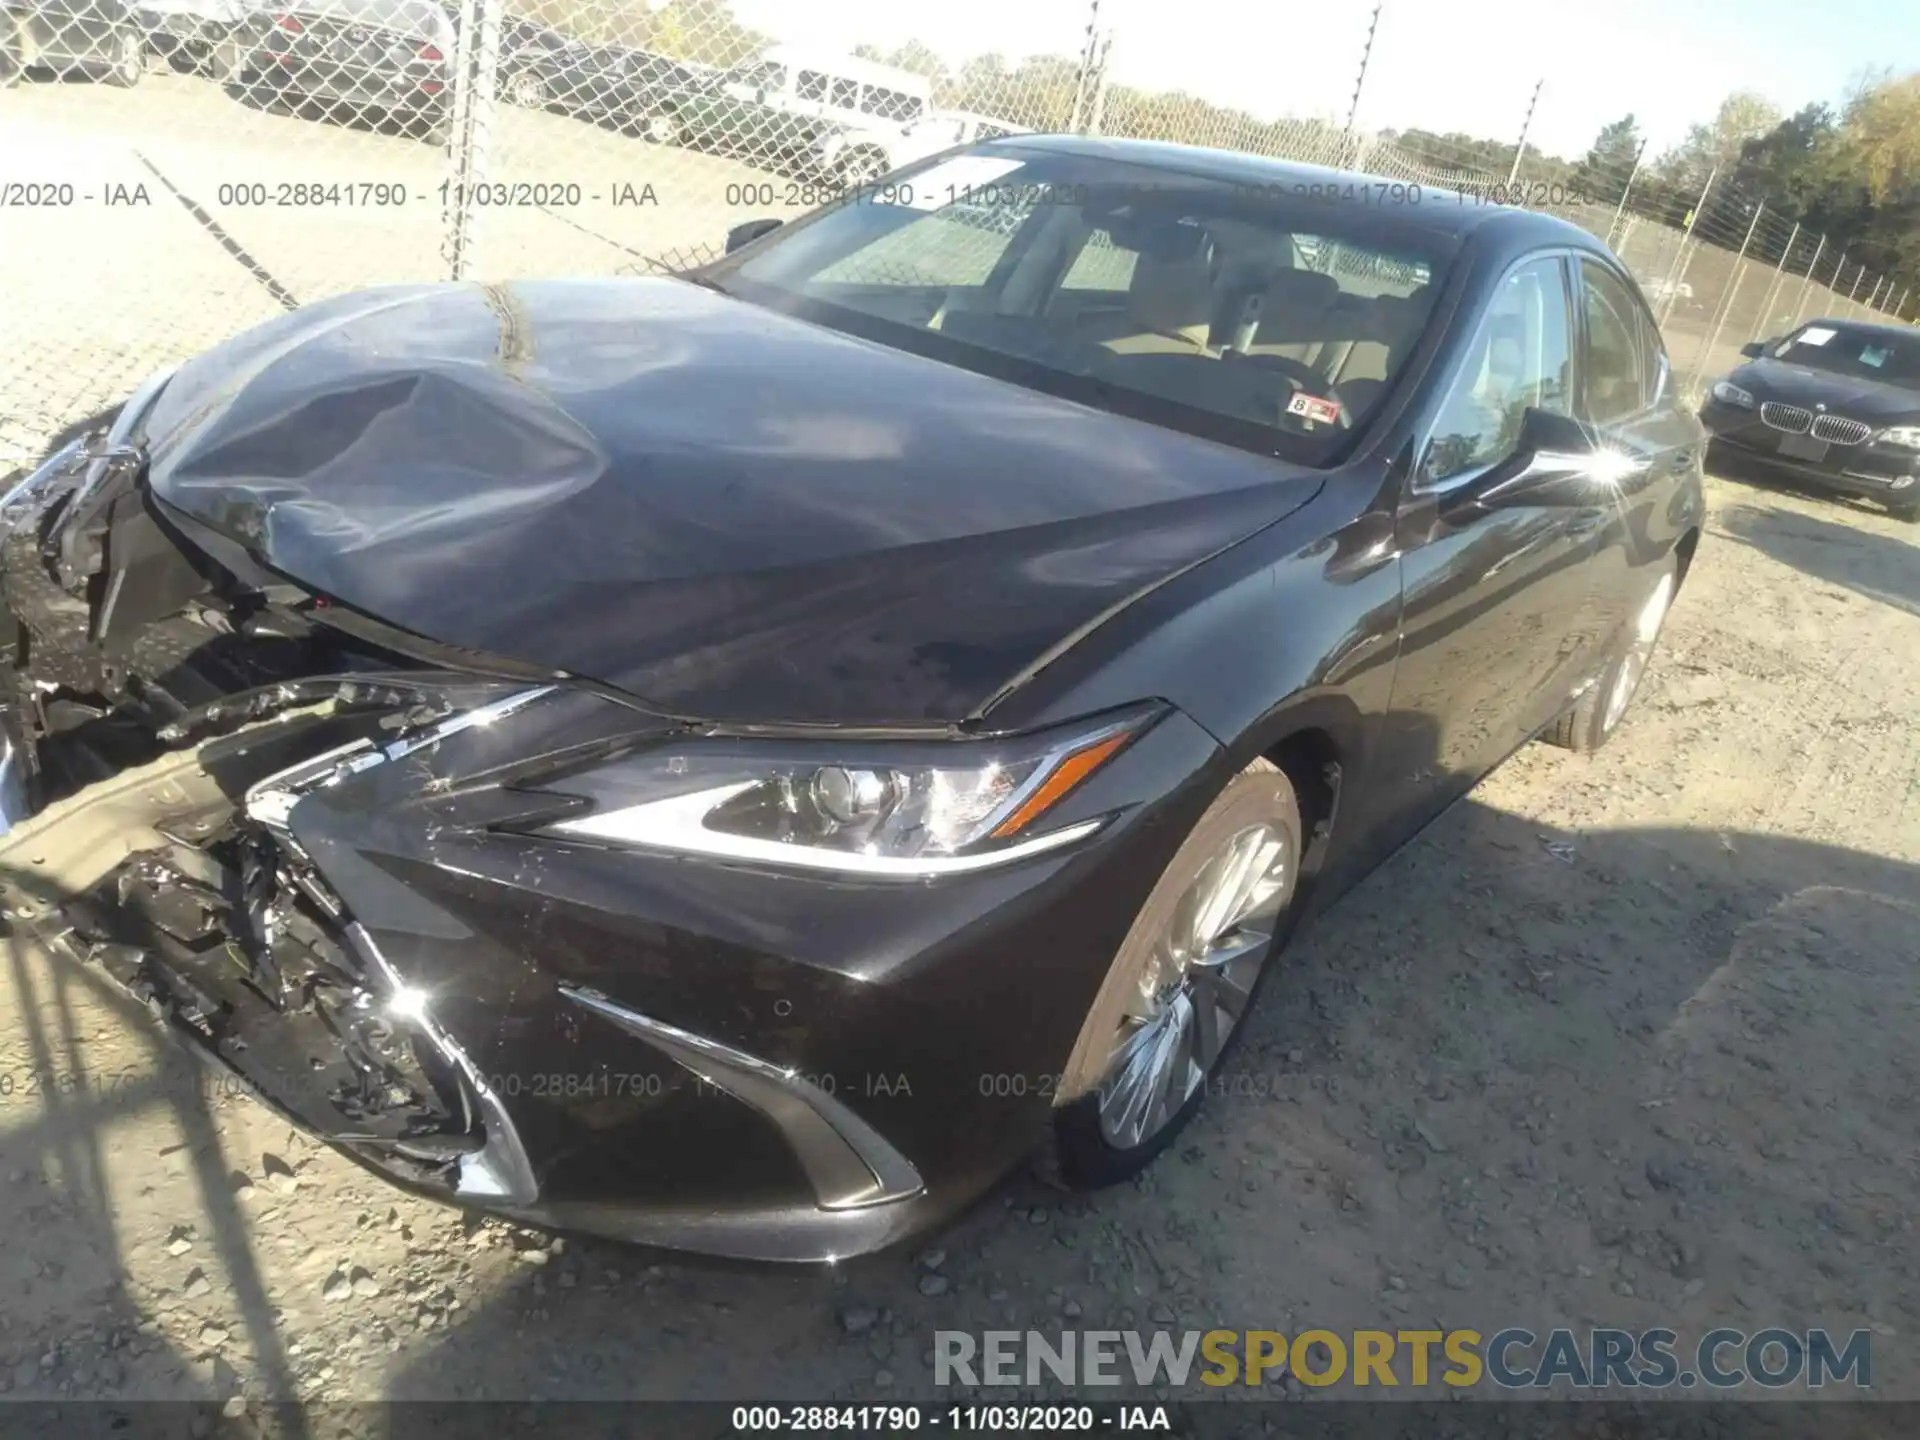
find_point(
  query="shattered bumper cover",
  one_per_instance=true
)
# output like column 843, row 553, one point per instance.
column 335, row 903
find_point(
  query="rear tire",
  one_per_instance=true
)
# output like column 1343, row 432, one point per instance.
column 1592, row 719
column 529, row 91
column 1180, row 988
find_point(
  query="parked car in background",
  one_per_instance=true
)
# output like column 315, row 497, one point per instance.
column 1834, row 405
column 389, row 57
column 100, row 39
column 858, row 150
column 614, row 84
column 188, row 32
column 866, row 710
column 774, row 111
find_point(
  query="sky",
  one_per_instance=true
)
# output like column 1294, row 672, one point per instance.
column 1441, row 65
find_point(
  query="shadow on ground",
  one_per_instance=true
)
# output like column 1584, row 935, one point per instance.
column 1516, row 1078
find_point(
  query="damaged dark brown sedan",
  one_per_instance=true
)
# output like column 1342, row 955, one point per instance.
column 741, row 761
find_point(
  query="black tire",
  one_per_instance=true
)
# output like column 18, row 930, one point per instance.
column 1080, row 1154
column 126, row 59
column 663, row 127
column 1595, row 717
column 529, row 91
column 861, row 167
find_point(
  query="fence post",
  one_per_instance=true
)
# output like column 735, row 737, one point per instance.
column 1347, row 156
column 1773, row 289
column 1621, row 208
column 1083, row 82
column 1901, row 303
column 1680, row 257
column 1856, row 284
column 1807, row 283
column 1733, row 291
column 476, row 61
column 1874, row 294
column 1520, row 150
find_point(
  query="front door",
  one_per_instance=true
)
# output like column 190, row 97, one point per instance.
column 1493, row 639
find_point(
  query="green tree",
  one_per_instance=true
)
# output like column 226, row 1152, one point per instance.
column 1604, row 169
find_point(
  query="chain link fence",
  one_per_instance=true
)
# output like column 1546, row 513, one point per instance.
column 172, row 171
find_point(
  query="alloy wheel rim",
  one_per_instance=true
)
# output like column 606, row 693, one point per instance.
column 660, row 129
column 130, row 57
column 1195, row 987
column 529, row 92
column 1646, row 631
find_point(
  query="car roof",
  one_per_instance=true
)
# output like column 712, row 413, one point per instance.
column 850, row 67
column 1438, row 209
column 1890, row 329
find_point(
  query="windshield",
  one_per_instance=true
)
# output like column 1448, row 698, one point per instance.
column 1858, row 354
column 1260, row 314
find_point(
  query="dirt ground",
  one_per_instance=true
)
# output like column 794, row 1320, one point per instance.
column 1620, row 1041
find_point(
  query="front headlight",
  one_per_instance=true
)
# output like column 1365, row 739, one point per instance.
column 1906, row 436
column 1728, row 393
column 910, row 809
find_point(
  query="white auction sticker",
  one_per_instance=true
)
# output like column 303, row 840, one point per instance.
column 947, row 184
column 1814, row 335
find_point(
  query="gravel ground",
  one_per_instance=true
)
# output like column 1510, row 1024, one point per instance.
column 1620, row 1041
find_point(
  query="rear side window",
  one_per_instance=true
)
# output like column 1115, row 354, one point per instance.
column 1623, row 354
column 811, row 85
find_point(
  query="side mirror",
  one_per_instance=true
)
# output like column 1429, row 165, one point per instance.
column 749, row 231
column 1754, row 349
column 1555, row 461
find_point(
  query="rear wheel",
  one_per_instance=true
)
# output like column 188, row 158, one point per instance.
column 1594, row 717
column 1182, row 982
column 528, row 90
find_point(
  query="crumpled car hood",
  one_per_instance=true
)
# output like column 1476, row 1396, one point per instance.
column 727, row 512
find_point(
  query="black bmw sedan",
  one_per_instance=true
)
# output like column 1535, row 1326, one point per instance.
column 1834, row 405
column 740, row 761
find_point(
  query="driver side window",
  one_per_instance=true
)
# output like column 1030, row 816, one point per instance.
column 1520, row 358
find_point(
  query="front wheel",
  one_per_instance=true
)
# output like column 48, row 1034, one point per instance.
column 1594, row 717
column 662, row 128
column 1181, row 984
column 528, row 91
column 126, row 59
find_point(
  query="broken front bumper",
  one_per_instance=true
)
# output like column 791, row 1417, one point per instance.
column 656, row 1048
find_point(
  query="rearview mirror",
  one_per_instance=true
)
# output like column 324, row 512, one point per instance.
column 1754, row 349
column 749, row 231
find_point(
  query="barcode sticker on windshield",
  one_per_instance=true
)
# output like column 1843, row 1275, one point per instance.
column 1313, row 407
column 1815, row 336
column 964, row 178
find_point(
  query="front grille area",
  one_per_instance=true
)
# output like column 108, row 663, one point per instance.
column 1840, row 430
column 1786, row 417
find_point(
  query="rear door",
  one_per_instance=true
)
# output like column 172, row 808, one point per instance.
column 1628, row 396
column 1492, row 638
